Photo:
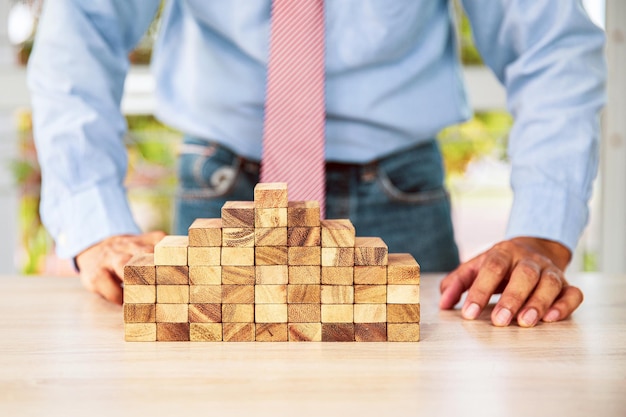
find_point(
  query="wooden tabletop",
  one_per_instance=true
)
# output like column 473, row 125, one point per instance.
column 62, row 353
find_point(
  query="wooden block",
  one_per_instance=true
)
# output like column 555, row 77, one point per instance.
column 337, row 332
column 403, row 332
column 140, row 270
column 370, row 275
column 370, row 313
column 370, row 294
column 403, row 269
column 370, row 251
column 139, row 313
column 205, row 313
column 303, row 293
column 304, row 236
column 305, row 332
column 172, row 294
column 205, row 294
column 270, row 217
column 303, row 214
column 238, row 237
column 272, row 274
column 172, row 313
column 304, row 313
column 304, row 255
column 270, row 294
column 205, row 275
column 172, row 275
column 171, row 250
column 370, row 332
column 238, row 313
column 270, row 236
column 270, row 313
column 270, row 255
column 337, row 256
column 237, row 256
column 337, row 275
column 205, row 332
column 238, row 332
column 208, row 256
column 238, row 275
column 337, row 294
column 270, row 195
column 338, row 233
column 172, row 332
column 271, row 332
column 205, row 232
column 237, row 294
column 140, row 332
column 237, row 214
column 308, row 274
column 139, row 294
column 337, row 313
column 403, row 313
column 403, row 294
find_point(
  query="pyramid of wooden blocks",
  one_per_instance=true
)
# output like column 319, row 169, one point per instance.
column 271, row 270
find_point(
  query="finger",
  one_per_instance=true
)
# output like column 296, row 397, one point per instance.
column 547, row 290
column 493, row 271
column 131, row 245
column 108, row 287
column 153, row 238
column 116, row 264
column 457, row 282
column 524, row 278
column 568, row 301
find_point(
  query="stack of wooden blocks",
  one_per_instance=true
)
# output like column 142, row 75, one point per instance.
column 271, row 270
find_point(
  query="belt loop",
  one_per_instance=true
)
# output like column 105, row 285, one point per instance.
column 369, row 171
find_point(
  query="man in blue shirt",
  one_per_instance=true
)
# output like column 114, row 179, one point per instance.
column 393, row 80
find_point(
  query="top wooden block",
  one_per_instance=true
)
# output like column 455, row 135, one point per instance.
column 402, row 268
column 270, row 195
column 171, row 250
column 140, row 270
column 303, row 214
column 205, row 232
column 338, row 233
column 238, row 214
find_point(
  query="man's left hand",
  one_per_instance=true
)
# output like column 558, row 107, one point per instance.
column 529, row 274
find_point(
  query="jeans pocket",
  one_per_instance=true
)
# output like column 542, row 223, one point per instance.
column 204, row 176
column 414, row 176
column 397, row 194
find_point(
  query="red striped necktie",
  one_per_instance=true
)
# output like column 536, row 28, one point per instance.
column 293, row 139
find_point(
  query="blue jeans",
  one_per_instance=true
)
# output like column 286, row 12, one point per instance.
column 400, row 198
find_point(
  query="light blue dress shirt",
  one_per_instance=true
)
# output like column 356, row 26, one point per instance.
column 393, row 80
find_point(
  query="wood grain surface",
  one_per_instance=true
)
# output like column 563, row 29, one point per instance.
column 62, row 352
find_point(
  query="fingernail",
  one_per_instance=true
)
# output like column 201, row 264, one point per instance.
column 471, row 311
column 503, row 317
column 529, row 318
column 553, row 315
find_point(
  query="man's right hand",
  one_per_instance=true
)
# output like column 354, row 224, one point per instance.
column 102, row 265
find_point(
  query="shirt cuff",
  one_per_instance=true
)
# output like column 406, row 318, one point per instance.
column 548, row 213
column 89, row 217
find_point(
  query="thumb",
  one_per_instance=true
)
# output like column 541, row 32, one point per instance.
column 457, row 282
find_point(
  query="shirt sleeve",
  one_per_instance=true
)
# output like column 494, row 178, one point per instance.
column 549, row 56
column 76, row 77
